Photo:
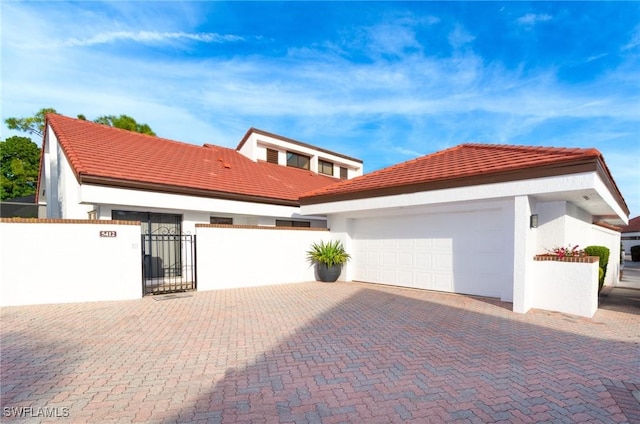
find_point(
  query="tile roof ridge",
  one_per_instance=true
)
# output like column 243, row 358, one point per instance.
column 590, row 151
column 77, row 121
column 382, row 170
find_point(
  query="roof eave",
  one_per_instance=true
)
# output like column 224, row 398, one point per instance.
column 188, row 191
column 565, row 168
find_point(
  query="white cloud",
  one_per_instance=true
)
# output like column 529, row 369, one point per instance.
column 459, row 37
column 533, row 18
column 151, row 37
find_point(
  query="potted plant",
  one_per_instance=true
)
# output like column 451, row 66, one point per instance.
column 328, row 259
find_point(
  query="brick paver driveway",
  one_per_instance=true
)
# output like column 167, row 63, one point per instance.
column 314, row 352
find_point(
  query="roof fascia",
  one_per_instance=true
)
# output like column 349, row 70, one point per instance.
column 605, row 176
column 292, row 141
column 41, row 163
column 565, row 168
column 140, row 185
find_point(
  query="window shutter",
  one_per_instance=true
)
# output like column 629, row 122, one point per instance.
column 272, row 156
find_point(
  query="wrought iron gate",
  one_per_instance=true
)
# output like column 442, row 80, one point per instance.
column 168, row 263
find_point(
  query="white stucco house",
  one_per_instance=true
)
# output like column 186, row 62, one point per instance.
column 469, row 219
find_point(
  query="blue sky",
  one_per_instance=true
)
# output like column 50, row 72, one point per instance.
column 384, row 82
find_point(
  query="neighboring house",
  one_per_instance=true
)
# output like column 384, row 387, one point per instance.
column 19, row 207
column 471, row 218
column 93, row 171
column 631, row 234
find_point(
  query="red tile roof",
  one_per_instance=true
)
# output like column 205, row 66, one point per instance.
column 100, row 154
column 465, row 165
column 633, row 227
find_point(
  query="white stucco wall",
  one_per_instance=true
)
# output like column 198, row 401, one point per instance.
column 608, row 238
column 566, row 287
column 68, row 262
column 244, row 257
column 561, row 224
column 524, row 245
column 194, row 209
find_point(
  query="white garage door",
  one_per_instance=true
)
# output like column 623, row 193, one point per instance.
column 468, row 252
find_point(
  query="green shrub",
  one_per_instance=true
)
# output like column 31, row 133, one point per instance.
column 601, row 276
column 603, row 254
column 330, row 253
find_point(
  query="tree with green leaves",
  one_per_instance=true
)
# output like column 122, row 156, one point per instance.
column 125, row 122
column 35, row 124
column 19, row 161
column 32, row 124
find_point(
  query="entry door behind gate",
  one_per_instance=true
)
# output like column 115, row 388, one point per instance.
column 167, row 255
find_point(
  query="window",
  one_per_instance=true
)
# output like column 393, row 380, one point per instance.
column 298, row 161
column 291, row 223
column 325, row 167
column 344, row 173
column 220, row 220
column 272, row 156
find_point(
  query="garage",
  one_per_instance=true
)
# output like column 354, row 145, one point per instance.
column 466, row 252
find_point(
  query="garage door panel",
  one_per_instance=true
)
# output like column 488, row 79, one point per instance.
column 442, row 282
column 442, row 262
column 457, row 252
column 405, row 259
column 389, row 259
column 422, row 260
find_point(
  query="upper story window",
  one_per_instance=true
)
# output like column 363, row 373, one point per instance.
column 344, row 173
column 297, row 160
column 325, row 167
column 272, row 156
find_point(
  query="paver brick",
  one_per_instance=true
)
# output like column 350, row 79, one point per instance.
column 326, row 353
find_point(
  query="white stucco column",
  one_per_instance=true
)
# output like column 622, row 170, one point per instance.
column 523, row 252
column 340, row 228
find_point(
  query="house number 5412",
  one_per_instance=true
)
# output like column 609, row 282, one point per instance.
column 108, row 234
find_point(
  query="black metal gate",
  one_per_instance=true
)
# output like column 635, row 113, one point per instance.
column 168, row 263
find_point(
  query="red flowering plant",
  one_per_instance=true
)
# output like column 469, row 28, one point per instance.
column 567, row 252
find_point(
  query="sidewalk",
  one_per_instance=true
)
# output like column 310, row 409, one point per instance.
column 624, row 296
column 631, row 274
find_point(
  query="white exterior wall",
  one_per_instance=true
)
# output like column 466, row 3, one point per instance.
column 245, row 257
column 524, row 245
column 195, row 210
column 68, row 262
column 61, row 187
column 561, row 224
column 566, row 287
column 601, row 236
